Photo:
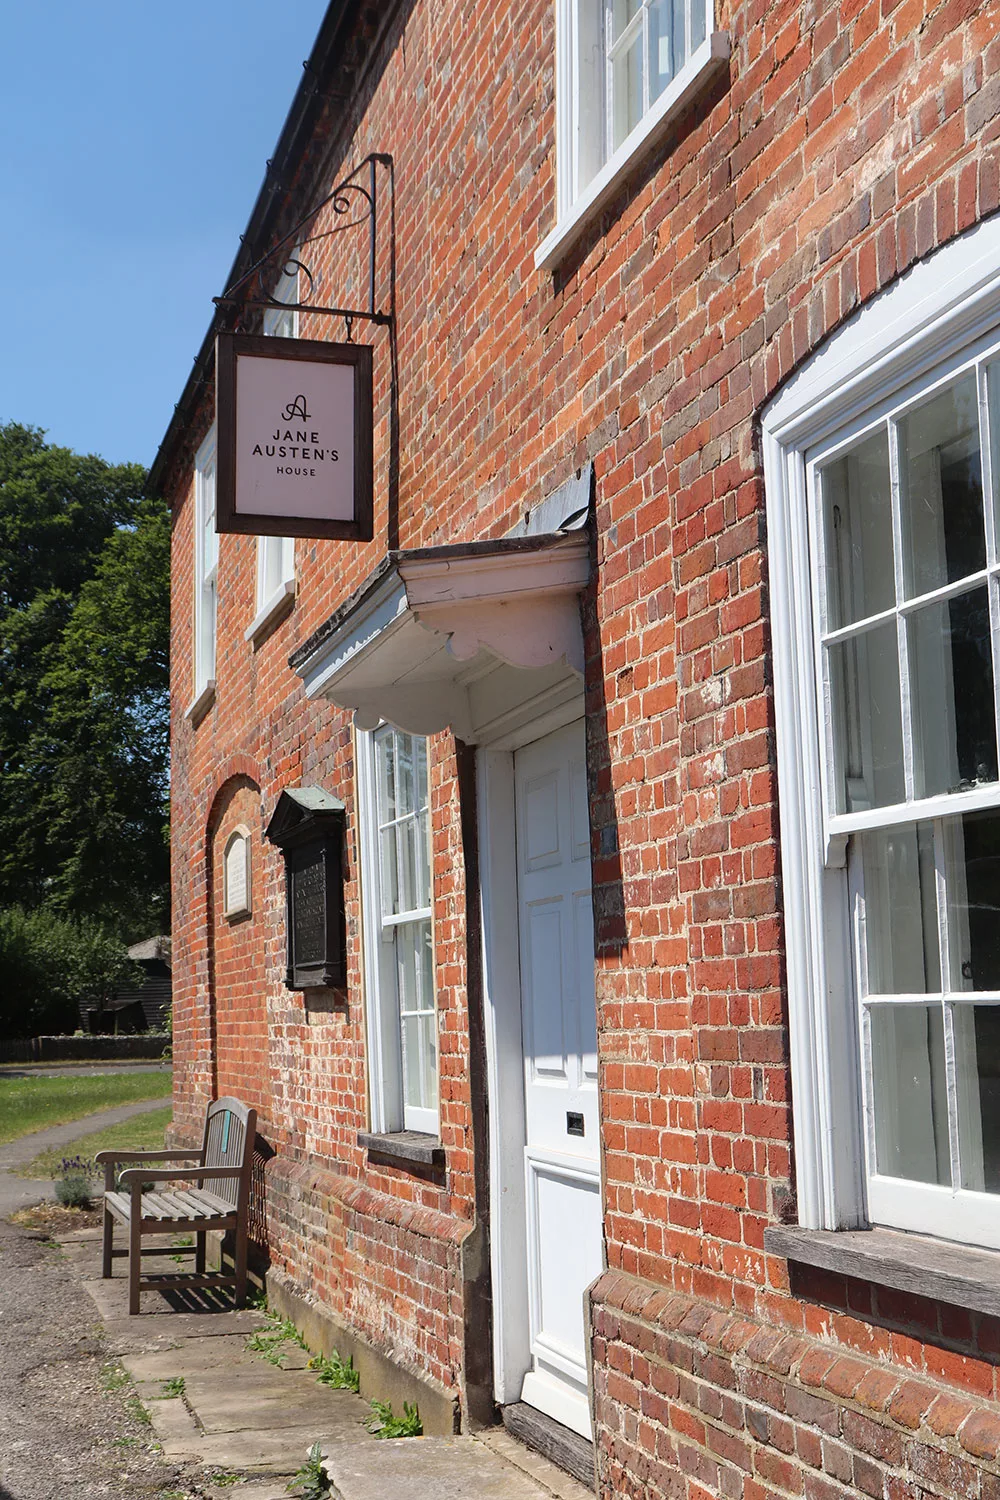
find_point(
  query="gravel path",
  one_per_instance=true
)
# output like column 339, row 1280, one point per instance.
column 63, row 1433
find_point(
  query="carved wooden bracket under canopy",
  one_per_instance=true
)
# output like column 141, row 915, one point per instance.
column 471, row 637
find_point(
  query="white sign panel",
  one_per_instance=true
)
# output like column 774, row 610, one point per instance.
column 295, row 424
column 294, row 439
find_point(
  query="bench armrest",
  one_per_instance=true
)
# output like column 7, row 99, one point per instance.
column 135, row 1176
column 108, row 1158
column 194, row 1155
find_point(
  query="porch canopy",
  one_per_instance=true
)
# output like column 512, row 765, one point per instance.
column 479, row 637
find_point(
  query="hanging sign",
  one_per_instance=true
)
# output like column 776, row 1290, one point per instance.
column 294, row 437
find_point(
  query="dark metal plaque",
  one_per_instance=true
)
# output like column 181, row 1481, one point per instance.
column 309, row 912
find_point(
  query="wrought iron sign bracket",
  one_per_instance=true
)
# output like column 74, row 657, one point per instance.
column 355, row 204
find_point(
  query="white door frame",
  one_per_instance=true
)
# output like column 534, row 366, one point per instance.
column 504, row 1046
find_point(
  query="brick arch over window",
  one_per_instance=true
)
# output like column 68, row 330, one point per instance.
column 237, row 768
column 235, row 802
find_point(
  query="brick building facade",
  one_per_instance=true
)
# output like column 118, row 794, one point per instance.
column 681, row 608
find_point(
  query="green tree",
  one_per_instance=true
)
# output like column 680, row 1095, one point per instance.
column 52, row 968
column 84, row 644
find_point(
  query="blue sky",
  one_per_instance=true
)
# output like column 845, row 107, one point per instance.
column 133, row 141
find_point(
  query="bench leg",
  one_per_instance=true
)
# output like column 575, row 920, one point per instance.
column 108, row 1245
column 199, row 1253
column 134, row 1262
column 241, row 1263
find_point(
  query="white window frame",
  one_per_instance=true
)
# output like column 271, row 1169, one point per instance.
column 385, row 1070
column 205, row 578
column 276, row 554
column 917, row 333
column 577, row 204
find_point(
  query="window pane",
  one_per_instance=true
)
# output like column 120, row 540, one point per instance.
column 590, row 134
column 210, row 539
column 667, row 48
column 857, row 509
column 941, row 489
column 406, row 781
column 419, row 1062
column 627, row 90
column 271, row 566
column 411, row 853
column 972, row 872
column 901, row 932
column 385, row 776
column 622, row 12
column 868, row 735
column 951, row 670
column 401, row 789
column 908, row 1092
column 389, row 879
column 697, row 23
column 417, row 1014
column 977, row 1070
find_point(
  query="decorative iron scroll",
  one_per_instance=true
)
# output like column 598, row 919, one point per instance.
column 355, row 205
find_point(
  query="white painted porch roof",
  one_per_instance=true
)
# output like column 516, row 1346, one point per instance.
column 466, row 636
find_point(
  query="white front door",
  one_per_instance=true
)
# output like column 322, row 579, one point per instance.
column 559, row 1031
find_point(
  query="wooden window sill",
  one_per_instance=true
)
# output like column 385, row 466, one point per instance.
column 404, row 1148
column 961, row 1275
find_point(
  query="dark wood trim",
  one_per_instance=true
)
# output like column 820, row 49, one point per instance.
column 477, row 1278
column 918, row 1263
column 229, row 347
column 403, row 1147
column 559, row 1444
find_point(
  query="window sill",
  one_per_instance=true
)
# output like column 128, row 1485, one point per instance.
column 271, row 613
column 404, row 1148
column 199, row 708
column 710, row 58
column 918, row 1263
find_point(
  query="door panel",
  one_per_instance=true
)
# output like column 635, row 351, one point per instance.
column 559, row 1030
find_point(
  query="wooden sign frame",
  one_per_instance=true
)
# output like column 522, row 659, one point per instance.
column 229, row 347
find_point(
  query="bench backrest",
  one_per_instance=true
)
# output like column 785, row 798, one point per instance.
column 230, row 1128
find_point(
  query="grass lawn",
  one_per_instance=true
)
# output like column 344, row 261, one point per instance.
column 141, row 1133
column 28, row 1104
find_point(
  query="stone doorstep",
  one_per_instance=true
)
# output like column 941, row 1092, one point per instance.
column 438, row 1468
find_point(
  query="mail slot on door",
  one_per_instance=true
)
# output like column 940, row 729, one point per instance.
column 574, row 1123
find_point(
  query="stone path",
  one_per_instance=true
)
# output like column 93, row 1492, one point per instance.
column 238, row 1414
column 18, row 1192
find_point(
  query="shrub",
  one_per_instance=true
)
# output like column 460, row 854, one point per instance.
column 73, row 1191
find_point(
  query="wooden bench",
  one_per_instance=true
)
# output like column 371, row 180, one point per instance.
column 213, row 1193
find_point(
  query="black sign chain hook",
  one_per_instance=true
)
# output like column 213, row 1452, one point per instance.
column 350, row 324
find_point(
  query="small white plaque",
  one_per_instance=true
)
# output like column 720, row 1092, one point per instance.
column 237, row 875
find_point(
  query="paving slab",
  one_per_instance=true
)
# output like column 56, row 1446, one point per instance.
column 431, row 1468
column 275, row 1450
column 196, row 1355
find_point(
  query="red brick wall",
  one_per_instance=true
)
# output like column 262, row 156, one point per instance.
column 848, row 140
column 731, row 1406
